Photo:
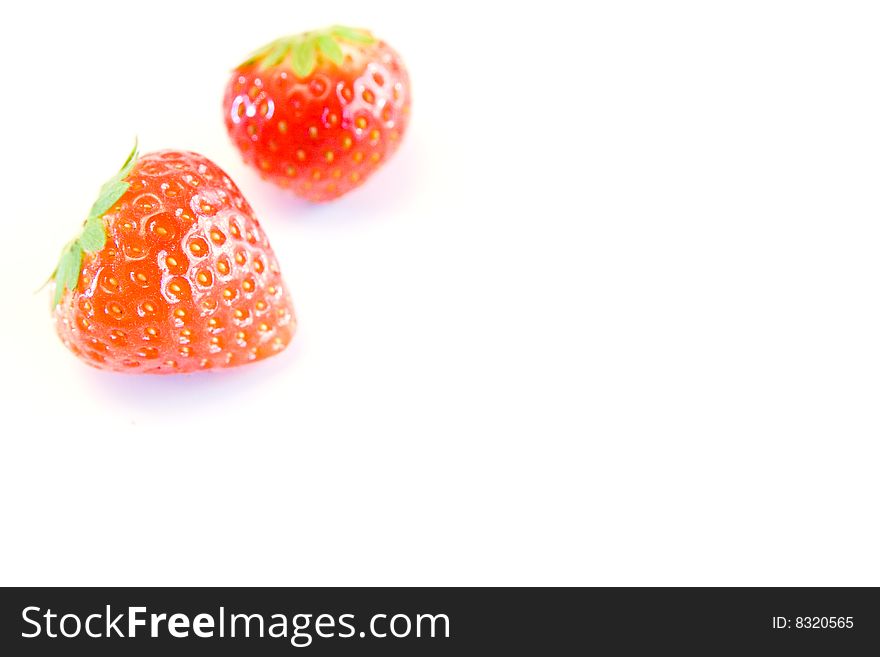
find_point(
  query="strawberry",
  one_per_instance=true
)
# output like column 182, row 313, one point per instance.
column 319, row 112
column 171, row 273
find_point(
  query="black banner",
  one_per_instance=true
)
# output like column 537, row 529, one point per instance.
column 445, row 621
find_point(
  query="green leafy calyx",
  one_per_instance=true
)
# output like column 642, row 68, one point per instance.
column 302, row 50
column 93, row 235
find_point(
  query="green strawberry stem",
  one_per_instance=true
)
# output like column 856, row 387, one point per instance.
column 303, row 49
column 93, row 235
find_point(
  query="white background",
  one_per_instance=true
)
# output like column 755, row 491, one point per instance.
column 610, row 315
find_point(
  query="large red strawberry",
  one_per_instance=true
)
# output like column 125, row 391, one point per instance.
column 319, row 112
column 171, row 273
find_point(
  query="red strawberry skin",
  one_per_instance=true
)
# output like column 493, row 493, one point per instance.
column 325, row 133
column 186, row 280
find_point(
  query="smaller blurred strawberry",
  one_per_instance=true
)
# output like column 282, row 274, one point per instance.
column 171, row 273
column 319, row 112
